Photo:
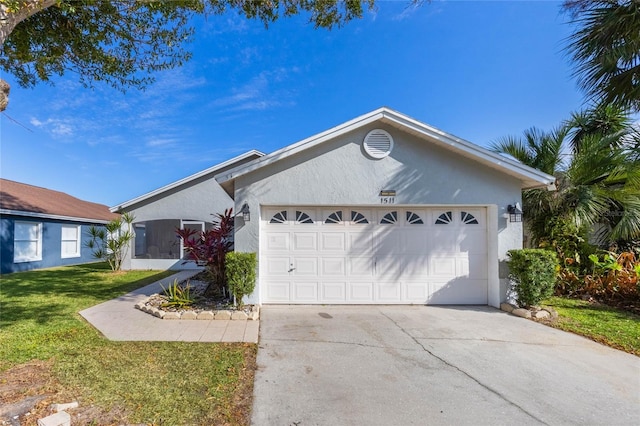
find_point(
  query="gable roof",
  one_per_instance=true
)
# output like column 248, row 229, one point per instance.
column 530, row 177
column 27, row 200
column 247, row 156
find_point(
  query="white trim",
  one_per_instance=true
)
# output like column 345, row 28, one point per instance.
column 529, row 176
column 38, row 241
column 50, row 216
column 185, row 180
column 493, row 271
column 77, row 240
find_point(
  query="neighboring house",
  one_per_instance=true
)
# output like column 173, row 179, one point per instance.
column 41, row 228
column 381, row 209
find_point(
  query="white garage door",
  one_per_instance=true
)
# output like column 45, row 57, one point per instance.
column 354, row 255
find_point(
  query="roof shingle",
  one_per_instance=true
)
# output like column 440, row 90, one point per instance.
column 28, row 198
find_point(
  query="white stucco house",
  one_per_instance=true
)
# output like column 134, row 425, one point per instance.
column 382, row 209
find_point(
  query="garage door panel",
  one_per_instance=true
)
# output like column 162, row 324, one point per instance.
column 387, row 242
column 477, row 265
column 388, row 292
column 416, row 292
column 443, row 266
column 278, row 291
column 305, row 241
column 415, row 266
column 414, row 240
column 360, row 266
column 333, row 292
column 333, row 242
column 360, row 242
column 305, row 266
column 387, row 267
column 333, row 266
column 278, row 266
column 304, row 291
column 361, row 292
column 277, row 241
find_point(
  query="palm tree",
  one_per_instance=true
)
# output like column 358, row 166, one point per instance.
column 598, row 177
column 606, row 49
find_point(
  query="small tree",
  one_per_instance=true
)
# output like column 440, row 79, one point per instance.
column 241, row 274
column 209, row 248
column 533, row 272
column 110, row 243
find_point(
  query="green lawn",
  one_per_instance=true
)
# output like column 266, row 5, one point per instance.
column 613, row 327
column 150, row 382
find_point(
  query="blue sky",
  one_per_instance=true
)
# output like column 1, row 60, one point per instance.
column 478, row 70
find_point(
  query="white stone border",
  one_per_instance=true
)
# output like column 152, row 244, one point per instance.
column 223, row 314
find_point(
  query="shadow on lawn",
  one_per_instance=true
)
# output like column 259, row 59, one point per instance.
column 51, row 294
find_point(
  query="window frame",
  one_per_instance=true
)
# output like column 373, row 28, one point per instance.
column 78, row 241
column 38, row 241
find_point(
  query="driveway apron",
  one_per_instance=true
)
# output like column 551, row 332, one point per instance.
column 428, row 365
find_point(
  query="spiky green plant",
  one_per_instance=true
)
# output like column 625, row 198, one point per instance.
column 110, row 243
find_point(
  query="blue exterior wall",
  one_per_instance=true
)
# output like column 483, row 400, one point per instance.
column 51, row 244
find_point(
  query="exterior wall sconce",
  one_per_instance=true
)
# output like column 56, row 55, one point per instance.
column 515, row 213
column 246, row 214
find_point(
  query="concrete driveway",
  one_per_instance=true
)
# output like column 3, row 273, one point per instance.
column 418, row 365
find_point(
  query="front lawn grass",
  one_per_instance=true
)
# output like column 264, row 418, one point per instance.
column 604, row 324
column 144, row 382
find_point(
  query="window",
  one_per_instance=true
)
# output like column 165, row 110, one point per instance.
column 444, row 218
column 280, row 217
column 389, row 218
column 335, row 217
column 468, row 218
column 414, row 218
column 70, row 241
column 27, row 242
column 302, row 217
column 357, row 217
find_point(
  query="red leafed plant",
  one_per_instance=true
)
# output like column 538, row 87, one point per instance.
column 209, row 248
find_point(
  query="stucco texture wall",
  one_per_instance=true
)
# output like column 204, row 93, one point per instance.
column 338, row 172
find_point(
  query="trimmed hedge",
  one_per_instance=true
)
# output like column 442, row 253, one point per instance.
column 240, row 269
column 533, row 273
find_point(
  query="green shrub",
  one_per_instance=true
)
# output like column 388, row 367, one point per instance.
column 241, row 274
column 533, row 273
column 178, row 296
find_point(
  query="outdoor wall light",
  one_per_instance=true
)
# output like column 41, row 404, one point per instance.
column 246, row 214
column 515, row 213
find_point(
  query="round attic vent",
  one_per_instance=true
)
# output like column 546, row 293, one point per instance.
column 377, row 144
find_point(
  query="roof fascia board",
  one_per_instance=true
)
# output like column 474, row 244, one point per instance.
column 450, row 140
column 446, row 140
column 50, row 216
column 185, row 180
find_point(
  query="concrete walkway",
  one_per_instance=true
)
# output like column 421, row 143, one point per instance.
column 118, row 319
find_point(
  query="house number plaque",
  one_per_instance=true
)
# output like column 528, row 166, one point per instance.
column 388, row 196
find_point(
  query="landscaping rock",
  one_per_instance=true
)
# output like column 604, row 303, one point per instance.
column 254, row 316
column 63, row 407
column 552, row 312
column 542, row 314
column 58, row 419
column 171, row 316
column 205, row 315
column 189, row 315
column 507, row 307
column 223, row 315
column 157, row 313
column 521, row 312
column 239, row 315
